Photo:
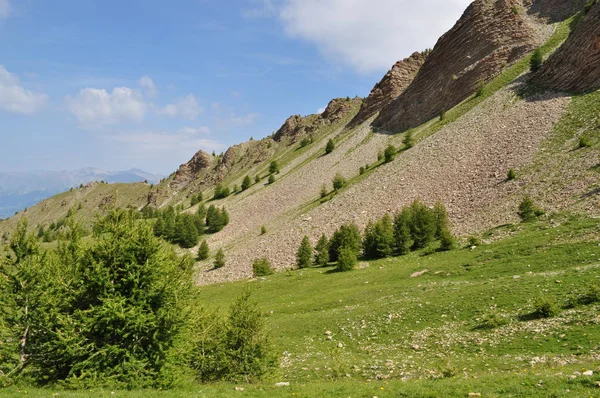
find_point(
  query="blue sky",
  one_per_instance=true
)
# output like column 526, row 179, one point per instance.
column 147, row 83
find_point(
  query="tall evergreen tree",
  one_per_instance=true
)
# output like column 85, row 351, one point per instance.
column 304, row 256
column 203, row 251
column 329, row 147
column 246, row 183
column 322, row 249
column 402, row 234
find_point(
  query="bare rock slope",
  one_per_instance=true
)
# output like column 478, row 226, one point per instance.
column 490, row 35
column 390, row 87
column 575, row 66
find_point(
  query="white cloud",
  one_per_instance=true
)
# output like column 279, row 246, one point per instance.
column 15, row 98
column 5, row 9
column 321, row 110
column 95, row 107
column 148, row 86
column 370, row 35
column 263, row 8
column 186, row 107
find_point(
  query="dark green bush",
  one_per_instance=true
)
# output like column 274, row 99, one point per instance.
column 378, row 241
column 545, row 307
column 389, row 153
column 528, row 211
column 511, row 175
column 262, row 267
column 203, row 251
column 246, row 183
column 408, row 140
column 584, row 142
column 274, row 167
column 346, row 259
column 347, row 236
column 219, row 259
column 304, row 255
column 536, row 60
column 329, row 147
column 322, row 249
column 271, row 179
column 338, row 182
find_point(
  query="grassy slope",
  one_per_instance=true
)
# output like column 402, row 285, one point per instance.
column 416, row 336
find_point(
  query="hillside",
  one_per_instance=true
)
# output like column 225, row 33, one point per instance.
column 495, row 121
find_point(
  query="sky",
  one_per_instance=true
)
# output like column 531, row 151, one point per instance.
column 120, row 84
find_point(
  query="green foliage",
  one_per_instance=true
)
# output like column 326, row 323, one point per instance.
column 423, row 225
column 304, row 255
column 246, row 183
column 347, row 236
column 257, row 179
column 322, row 251
column 389, row 153
column 183, row 229
column 221, row 192
column 238, row 350
column 263, row 229
column 584, row 142
column 219, row 259
column 346, row 260
column 378, row 241
column 511, row 175
column 545, row 307
column 271, row 179
column 324, row 191
column 274, row 167
column 262, row 267
column 329, row 147
column 536, row 60
column 338, row 182
column 591, row 294
column 216, row 219
column 492, row 320
column 447, row 240
column 402, row 235
column 442, row 114
column 589, row 5
column 361, row 170
column 196, row 199
column 408, row 140
column 111, row 310
column 203, row 251
column 528, row 211
column 305, row 142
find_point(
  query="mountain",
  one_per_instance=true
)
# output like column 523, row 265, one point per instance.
column 496, row 119
column 19, row 190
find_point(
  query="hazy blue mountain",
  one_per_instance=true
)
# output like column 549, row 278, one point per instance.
column 19, row 190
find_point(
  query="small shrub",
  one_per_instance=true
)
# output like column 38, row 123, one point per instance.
column 408, row 140
column 473, row 241
column 528, row 211
column 304, row 255
column 511, row 175
column 361, row 171
column 329, row 147
column 492, row 320
column 257, row 179
column 536, row 60
column 591, row 295
column 274, row 167
column 203, row 251
column 271, row 179
column 516, row 10
column 263, row 230
column 584, row 142
column 346, row 259
column 219, row 259
column 305, row 142
column 442, row 114
column 262, row 267
column 447, row 240
column 389, row 153
column 323, row 191
column 338, row 182
column 545, row 307
column 246, row 183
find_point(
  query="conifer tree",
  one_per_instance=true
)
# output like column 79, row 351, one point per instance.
column 203, row 251
column 246, row 183
column 219, row 259
column 304, row 256
column 322, row 249
column 329, row 147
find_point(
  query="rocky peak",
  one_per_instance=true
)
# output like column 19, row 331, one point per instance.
column 187, row 172
column 290, row 127
column 336, row 110
column 390, row 87
column 489, row 36
column 575, row 66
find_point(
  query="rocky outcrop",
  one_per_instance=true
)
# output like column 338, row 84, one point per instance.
column 554, row 10
column 188, row 171
column 490, row 35
column 296, row 126
column 390, row 87
column 575, row 66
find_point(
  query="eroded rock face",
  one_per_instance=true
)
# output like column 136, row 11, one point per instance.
column 189, row 170
column 390, row 87
column 290, row 128
column 575, row 66
column 490, row 35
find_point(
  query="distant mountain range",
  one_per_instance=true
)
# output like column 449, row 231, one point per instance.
column 19, row 190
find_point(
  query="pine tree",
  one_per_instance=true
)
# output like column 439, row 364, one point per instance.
column 274, row 167
column 402, row 234
column 322, row 249
column 389, row 153
column 338, row 182
column 528, row 211
column 422, row 225
column 536, row 60
column 346, row 259
column 408, row 141
column 203, row 251
column 304, row 254
column 271, row 179
column 219, row 259
column 329, row 147
column 347, row 236
column 441, row 219
column 246, row 183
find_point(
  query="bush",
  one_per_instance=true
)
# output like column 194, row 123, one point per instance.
column 473, row 241
column 536, row 60
column 346, row 259
column 322, row 249
column 528, row 211
column 257, row 179
column 511, row 175
column 262, row 267
column 378, row 241
column 545, row 307
column 338, row 182
column 389, row 153
column 304, row 254
column 347, row 236
column 447, row 240
column 408, row 141
column 492, row 320
column 263, row 230
column 203, row 251
column 219, row 259
column 402, row 235
column 584, row 142
column 324, row 192
column 271, row 179
column 216, row 219
column 246, row 183
column 591, row 295
column 274, row 167
column 423, row 225
column 329, row 147
column 238, row 350
column 442, row 114
column 361, row 170
column 305, row 142
column 221, row 192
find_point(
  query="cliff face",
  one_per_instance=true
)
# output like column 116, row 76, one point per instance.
column 390, row 87
column 490, row 35
column 188, row 171
column 575, row 66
